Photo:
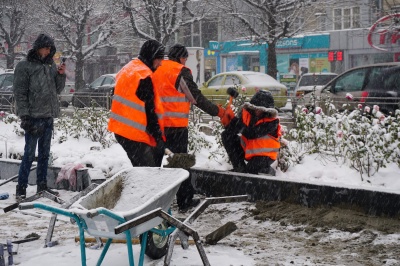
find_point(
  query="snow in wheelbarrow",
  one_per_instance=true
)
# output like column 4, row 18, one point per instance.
column 128, row 194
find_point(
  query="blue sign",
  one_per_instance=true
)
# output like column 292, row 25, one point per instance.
column 213, row 45
column 287, row 43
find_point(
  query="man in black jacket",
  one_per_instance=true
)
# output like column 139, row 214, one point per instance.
column 174, row 82
column 37, row 84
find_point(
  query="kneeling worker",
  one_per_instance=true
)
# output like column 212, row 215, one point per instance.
column 258, row 146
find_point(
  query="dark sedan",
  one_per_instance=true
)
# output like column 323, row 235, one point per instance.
column 98, row 93
column 370, row 85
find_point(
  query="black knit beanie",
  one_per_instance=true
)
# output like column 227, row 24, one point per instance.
column 263, row 98
column 177, row 51
column 151, row 50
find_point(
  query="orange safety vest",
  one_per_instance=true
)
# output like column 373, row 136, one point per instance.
column 175, row 104
column 264, row 146
column 128, row 115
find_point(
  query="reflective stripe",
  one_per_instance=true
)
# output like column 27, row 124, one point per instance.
column 129, row 103
column 174, row 99
column 266, row 137
column 176, row 114
column 128, row 122
column 262, row 150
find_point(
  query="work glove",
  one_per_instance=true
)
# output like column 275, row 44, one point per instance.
column 221, row 111
column 228, row 116
column 35, row 129
column 26, row 122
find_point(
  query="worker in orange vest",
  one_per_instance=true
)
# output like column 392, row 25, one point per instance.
column 258, row 146
column 136, row 110
column 174, row 82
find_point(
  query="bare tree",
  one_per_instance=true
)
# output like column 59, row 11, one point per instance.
column 15, row 18
column 84, row 27
column 266, row 21
column 161, row 19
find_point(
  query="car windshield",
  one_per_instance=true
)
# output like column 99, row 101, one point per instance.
column 315, row 80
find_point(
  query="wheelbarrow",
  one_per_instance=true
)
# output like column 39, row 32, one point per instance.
column 125, row 196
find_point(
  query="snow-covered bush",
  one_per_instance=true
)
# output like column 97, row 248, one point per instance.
column 88, row 122
column 366, row 140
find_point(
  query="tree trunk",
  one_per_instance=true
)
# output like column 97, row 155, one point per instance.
column 79, row 81
column 10, row 57
column 271, row 65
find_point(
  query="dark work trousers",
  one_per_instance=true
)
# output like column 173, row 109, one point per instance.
column 42, row 140
column 257, row 164
column 231, row 142
column 139, row 153
column 177, row 142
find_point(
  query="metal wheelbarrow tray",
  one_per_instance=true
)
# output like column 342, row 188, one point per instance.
column 128, row 194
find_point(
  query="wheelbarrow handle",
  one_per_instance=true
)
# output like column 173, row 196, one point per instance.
column 26, row 206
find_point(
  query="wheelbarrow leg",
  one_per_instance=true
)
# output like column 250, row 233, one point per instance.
column 103, row 253
column 143, row 248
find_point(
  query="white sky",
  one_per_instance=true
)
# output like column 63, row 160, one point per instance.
column 312, row 170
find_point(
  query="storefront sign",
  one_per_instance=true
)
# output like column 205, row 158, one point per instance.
column 288, row 43
column 213, row 45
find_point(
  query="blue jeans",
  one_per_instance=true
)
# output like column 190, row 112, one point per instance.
column 31, row 141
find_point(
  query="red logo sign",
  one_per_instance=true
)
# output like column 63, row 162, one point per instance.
column 384, row 34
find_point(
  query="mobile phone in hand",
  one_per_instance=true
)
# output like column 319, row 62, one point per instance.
column 63, row 59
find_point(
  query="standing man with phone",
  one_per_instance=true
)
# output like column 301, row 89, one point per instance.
column 37, row 84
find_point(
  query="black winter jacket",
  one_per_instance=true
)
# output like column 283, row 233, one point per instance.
column 37, row 84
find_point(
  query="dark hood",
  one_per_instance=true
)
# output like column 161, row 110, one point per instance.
column 177, row 51
column 41, row 41
column 151, row 50
column 262, row 101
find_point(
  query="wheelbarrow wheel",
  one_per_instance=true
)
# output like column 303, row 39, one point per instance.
column 157, row 245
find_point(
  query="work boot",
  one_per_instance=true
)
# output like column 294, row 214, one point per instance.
column 43, row 187
column 269, row 171
column 20, row 192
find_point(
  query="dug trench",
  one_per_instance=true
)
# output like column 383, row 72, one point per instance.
column 286, row 223
column 283, row 233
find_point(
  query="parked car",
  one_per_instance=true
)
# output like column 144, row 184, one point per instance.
column 67, row 94
column 312, row 81
column 377, row 84
column 249, row 83
column 98, row 92
column 6, row 91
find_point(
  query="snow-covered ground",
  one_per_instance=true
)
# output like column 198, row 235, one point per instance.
column 256, row 242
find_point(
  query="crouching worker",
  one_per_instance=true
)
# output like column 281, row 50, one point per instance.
column 258, row 146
